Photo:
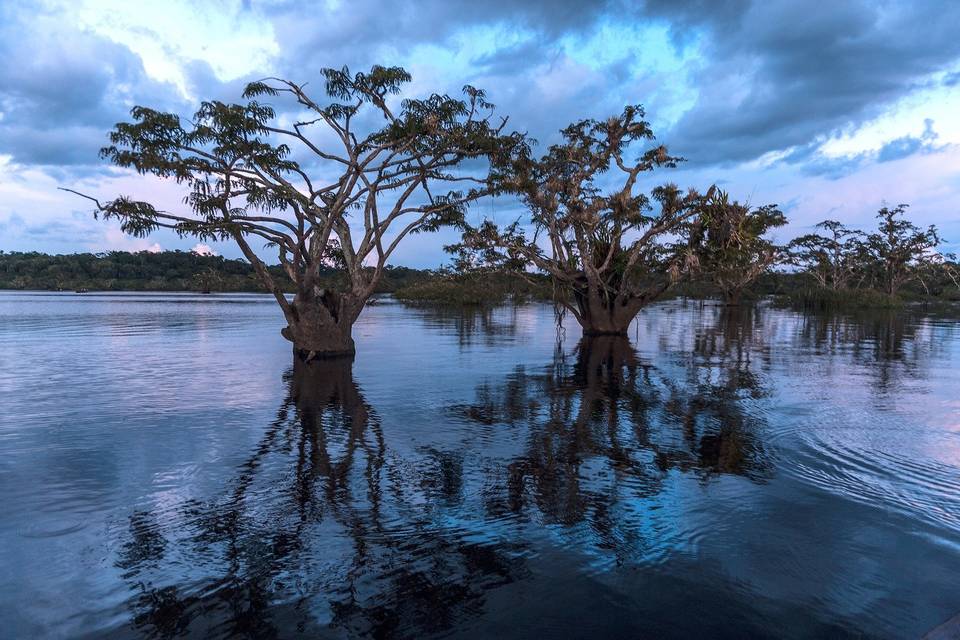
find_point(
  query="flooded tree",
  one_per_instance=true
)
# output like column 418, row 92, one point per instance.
column 341, row 185
column 939, row 275
column 207, row 280
column 896, row 254
column 732, row 251
column 607, row 250
column 899, row 249
column 321, row 529
column 835, row 261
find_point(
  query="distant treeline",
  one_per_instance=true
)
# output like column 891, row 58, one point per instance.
column 187, row 271
column 163, row 271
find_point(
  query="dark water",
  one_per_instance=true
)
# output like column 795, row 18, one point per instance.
column 758, row 473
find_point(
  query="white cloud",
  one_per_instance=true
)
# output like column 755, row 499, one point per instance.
column 114, row 239
column 233, row 38
column 202, row 249
column 906, row 118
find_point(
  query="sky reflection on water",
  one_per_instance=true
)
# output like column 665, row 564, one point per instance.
column 724, row 472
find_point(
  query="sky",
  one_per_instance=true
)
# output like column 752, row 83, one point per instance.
column 830, row 113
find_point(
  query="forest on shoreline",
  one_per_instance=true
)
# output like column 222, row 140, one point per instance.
column 187, row 271
column 159, row 271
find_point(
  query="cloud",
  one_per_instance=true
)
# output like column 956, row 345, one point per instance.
column 362, row 32
column 813, row 161
column 521, row 55
column 908, row 145
column 202, row 249
column 62, row 89
column 776, row 75
column 753, row 93
column 114, row 239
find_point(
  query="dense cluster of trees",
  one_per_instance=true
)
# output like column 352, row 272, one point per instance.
column 341, row 187
column 611, row 250
column 732, row 250
column 162, row 271
column 898, row 253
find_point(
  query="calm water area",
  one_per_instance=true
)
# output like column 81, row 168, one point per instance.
column 724, row 473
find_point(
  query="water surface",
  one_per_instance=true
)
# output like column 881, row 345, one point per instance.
column 760, row 472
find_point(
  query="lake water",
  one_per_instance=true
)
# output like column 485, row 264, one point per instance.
column 751, row 473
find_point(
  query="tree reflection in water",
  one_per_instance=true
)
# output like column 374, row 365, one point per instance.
column 488, row 326
column 303, row 540
column 891, row 345
column 604, row 431
column 324, row 530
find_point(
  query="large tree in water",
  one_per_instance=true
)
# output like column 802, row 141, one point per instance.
column 732, row 251
column 341, row 183
column 608, row 251
column 899, row 250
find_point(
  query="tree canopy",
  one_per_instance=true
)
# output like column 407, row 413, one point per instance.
column 606, row 248
column 342, row 185
column 899, row 249
column 896, row 254
column 729, row 238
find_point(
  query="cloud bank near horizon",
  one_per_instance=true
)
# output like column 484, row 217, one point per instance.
column 828, row 113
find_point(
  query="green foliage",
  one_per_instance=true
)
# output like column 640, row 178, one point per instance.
column 600, row 245
column 475, row 289
column 898, row 250
column 731, row 248
column 164, row 271
column 479, row 251
column 816, row 298
column 835, row 261
column 337, row 190
column 897, row 262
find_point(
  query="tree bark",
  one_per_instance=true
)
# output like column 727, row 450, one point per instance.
column 321, row 325
column 602, row 317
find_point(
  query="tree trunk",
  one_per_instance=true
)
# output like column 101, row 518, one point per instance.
column 891, row 288
column 602, row 317
column 322, row 326
column 731, row 297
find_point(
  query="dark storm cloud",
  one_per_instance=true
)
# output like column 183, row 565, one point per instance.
column 768, row 75
column 30, row 142
column 510, row 59
column 780, row 74
column 773, row 75
column 357, row 33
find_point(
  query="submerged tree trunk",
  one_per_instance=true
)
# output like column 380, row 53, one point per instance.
column 320, row 325
column 601, row 316
column 731, row 297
